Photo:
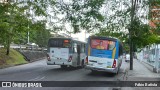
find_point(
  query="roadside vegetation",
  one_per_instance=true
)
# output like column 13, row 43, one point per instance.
column 14, row 58
column 124, row 19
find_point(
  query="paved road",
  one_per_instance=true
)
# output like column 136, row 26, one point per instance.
column 39, row 71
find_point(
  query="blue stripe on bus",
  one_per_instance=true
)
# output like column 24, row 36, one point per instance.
column 101, row 53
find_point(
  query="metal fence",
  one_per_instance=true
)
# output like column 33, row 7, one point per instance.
column 151, row 55
column 25, row 47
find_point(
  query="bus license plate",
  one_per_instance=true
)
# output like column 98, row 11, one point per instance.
column 100, row 63
column 109, row 67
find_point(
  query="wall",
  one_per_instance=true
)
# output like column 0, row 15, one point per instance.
column 32, row 56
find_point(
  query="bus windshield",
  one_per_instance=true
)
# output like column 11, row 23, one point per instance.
column 102, row 44
column 59, row 43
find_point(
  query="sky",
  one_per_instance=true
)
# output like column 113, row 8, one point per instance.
column 81, row 36
column 78, row 36
column 105, row 10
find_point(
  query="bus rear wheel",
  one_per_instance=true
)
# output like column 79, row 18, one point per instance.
column 93, row 71
column 117, row 71
column 82, row 64
column 63, row 66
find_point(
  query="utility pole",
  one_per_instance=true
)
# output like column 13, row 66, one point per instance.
column 85, row 35
column 28, row 24
column 28, row 34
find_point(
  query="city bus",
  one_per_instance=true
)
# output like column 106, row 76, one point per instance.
column 103, row 54
column 65, row 52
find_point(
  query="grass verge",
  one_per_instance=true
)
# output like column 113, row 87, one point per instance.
column 14, row 58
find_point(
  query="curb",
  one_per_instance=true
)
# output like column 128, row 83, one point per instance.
column 37, row 59
column 148, row 66
column 124, row 76
column 6, row 66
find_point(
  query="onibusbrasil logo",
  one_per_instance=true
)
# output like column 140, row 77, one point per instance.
column 21, row 84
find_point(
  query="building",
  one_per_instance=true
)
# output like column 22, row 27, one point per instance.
column 154, row 13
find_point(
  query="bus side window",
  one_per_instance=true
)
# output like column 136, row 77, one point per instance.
column 75, row 47
column 120, row 50
column 82, row 48
column 78, row 49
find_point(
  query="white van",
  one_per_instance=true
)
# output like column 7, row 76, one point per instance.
column 127, row 58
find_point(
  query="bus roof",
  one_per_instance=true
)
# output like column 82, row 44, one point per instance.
column 68, row 39
column 59, row 38
column 104, row 37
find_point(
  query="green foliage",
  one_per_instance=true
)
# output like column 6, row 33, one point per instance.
column 20, row 16
column 81, row 14
column 39, row 34
column 118, row 24
column 15, row 21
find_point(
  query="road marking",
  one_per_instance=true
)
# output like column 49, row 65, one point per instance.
column 33, row 79
column 37, row 78
column 41, row 78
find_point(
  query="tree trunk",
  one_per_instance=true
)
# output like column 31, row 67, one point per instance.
column 8, row 50
column 131, row 32
column 8, row 45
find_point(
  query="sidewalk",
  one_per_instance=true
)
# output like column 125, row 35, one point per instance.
column 141, row 72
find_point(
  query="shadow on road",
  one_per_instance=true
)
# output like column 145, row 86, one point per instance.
column 65, row 69
column 101, row 74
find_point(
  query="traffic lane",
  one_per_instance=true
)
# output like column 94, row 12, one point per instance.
column 24, row 67
column 80, row 75
column 58, row 74
column 77, row 74
column 84, row 75
column 24, row 72
column 39, row 71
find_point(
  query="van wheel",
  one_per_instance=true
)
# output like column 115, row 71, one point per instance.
column 63, row 66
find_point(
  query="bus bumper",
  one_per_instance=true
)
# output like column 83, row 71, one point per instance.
column 111, row 70
column 58, row 63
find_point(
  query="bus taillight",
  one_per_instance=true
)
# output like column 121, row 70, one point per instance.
column 48, row 58
column 70, row 59
column 114, row 64
column 87, row 60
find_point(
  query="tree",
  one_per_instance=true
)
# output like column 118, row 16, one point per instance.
column 40, row 35
column 80, row 14
column 14, row 21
